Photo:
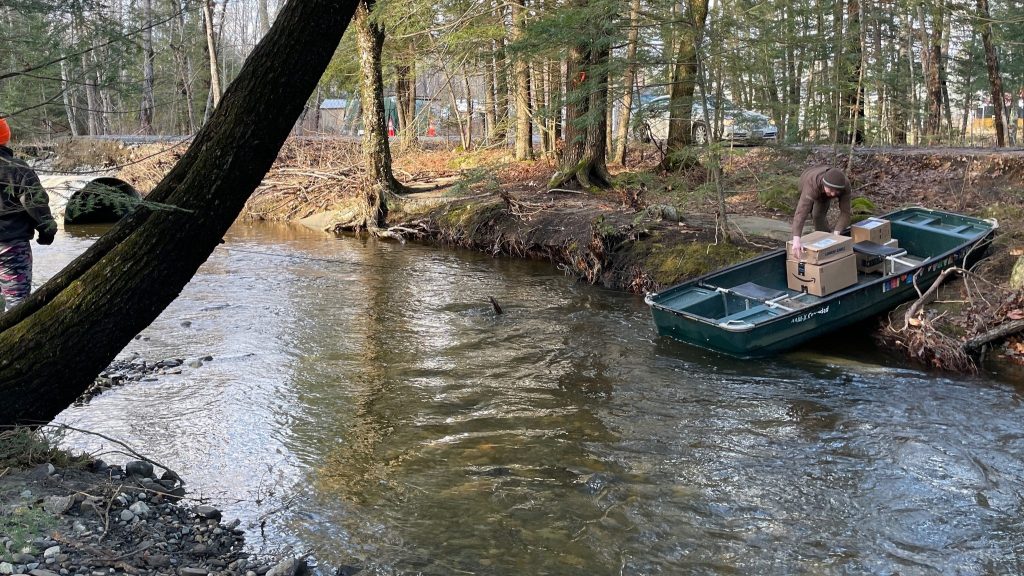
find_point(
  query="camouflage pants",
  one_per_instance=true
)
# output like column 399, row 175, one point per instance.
column 15, row 272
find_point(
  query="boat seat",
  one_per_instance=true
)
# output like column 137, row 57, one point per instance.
column 756, row 291
column 888, row 253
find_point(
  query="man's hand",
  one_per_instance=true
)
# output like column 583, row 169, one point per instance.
column 47, row 230
column 797, row 248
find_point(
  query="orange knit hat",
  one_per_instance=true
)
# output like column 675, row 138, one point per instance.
column 5, row 132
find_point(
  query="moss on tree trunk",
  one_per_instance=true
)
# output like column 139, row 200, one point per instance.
column 54, row 344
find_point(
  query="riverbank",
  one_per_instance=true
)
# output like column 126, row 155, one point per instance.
column 653, row 229
column 67, row 515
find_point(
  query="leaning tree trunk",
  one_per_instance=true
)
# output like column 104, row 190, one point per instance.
column 54, row 344
column 376, row 149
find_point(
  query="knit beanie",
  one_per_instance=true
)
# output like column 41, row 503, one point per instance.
column 834, row 178
column 5, row 132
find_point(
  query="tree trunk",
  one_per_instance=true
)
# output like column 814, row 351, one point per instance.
column 995, row 80
column 467, row 139
column 406, row 104
column 54, row 344
column 900, row 99
column 524, row 122
column 501, row 85
column 69, row 97
column 556, row 77
column 628, row 79
column 211, row 48
column 92, row 99
column 490, row 116
column 850, row 94
column 794, row 70
column 148, row 106
column 264, row 10
column 933, row 121
column 184, row 63
column 540, row 106
column 684, row 81
column 376, row 148
column 586, row 128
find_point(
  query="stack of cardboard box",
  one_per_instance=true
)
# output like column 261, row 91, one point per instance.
column 874, row 230
column 828, row 264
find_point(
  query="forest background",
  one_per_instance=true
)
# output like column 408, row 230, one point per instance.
column 875, row 72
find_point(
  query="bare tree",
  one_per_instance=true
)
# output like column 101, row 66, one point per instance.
column 211, row 49
column 628, row 78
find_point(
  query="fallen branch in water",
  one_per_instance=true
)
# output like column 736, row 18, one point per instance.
column 998, row 333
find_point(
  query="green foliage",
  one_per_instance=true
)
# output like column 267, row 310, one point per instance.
column 676, row 262
column 478, row 179
column 862, row 207
column 22, row 524
column 24, row 447
column 778, row 194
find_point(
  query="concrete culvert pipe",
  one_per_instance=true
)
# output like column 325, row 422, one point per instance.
column 101, row 201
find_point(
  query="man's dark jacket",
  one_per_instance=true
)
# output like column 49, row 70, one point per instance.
column 24, row 204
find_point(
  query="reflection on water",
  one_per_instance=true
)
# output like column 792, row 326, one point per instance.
column 365, row 402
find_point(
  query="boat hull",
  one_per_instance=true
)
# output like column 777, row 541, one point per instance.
column 778, row 331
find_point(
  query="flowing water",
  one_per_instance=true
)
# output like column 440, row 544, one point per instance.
column 366, row 403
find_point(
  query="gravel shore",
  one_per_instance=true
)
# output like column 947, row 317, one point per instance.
column 103, row 520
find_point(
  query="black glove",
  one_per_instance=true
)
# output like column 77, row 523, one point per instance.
column 47, row 230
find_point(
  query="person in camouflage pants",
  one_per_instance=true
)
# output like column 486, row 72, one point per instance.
column 24, row 210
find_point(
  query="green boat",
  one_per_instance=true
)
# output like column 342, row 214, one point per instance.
column 747, row 310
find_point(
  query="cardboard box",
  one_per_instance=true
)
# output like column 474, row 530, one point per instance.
column 821, row 279
column 870, row 264
column 873, row 229
column 821, row 247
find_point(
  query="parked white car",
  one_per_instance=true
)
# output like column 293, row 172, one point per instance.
column 737, row 125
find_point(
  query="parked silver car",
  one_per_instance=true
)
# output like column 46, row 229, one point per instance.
column 733, row 124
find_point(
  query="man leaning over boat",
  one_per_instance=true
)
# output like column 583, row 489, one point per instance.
column 819, row 185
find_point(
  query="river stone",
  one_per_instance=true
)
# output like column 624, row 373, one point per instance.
column 139, row 509
column 42, row 472
column 157, row 560
column 139, row 468
column 58, row 504
column 23, row 558
column 188, row 571
column 51, row 552
column 127, row 515
column 289, row 567
column 208, row 512
column 42, row 572
column 6, row 568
